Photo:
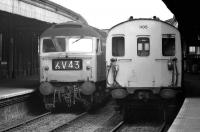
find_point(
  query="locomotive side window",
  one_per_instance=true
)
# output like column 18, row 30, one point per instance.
column 143, row 46
column 99, row 47
column 118, row 46
column 55, row 45
column 168, row 44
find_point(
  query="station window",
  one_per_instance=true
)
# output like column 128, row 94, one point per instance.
column 168, row 44
column 118, row 46
column 194, row 50
column 143, row 46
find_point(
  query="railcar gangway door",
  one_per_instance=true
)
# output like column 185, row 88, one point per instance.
column 143, row 69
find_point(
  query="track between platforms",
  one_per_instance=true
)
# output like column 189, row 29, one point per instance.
column 94, row 121
column 123, row 127
column 64, row 126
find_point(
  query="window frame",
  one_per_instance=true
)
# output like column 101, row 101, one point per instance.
column 140, row 53
column 169, row 36
column 119, row 36
column 84, row 37
column 42, row 44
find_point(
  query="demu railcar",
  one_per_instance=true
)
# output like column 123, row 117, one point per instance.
column 72, row 65
column 144, row 61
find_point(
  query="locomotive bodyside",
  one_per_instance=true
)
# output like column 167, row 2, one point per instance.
column 71, row 64
column 144, row 60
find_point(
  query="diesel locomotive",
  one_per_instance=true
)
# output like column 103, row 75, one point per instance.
column 72, row 65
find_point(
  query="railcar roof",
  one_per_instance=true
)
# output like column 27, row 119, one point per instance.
column 72, row 29
column 142, row 19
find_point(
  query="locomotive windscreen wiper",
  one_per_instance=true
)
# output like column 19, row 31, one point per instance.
column 78, row 39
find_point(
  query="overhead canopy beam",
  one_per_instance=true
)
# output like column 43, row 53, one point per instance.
column 187, row 15
column 43, row 10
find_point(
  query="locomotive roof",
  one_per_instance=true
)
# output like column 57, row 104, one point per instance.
column 143, row 19
column 73, row 29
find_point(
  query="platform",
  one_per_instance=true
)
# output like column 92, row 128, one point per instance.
column 192, row 84
column 188, row 118
column 12, row 92
column 12, row 88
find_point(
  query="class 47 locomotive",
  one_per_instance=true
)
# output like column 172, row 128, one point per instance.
column 72, row 69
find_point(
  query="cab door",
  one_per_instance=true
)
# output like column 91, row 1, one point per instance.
column 145, row 69
column 168, row 59
column 100, row 61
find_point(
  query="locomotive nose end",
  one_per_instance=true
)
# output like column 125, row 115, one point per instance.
column 46, row 88
column 119, row 93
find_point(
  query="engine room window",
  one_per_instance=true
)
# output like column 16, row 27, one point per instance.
column 168, row 44
column 143, row 46
column 54, row 45
column 83, row 45
column 118, row 46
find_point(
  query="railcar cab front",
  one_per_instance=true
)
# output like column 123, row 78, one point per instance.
column 143, row 55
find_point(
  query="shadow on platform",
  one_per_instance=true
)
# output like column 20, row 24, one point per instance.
column 192, row 84
column 32, row 82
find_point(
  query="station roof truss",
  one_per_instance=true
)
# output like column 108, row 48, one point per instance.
column 43, row 10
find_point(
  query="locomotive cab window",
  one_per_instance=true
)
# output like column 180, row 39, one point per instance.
column 168, row 44
column 80, row 45
column 118, row 46
column 54, row 45
column 143, row 46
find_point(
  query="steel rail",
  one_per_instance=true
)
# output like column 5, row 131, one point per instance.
column 59, row 128
column 117, row 126
column 25, row 122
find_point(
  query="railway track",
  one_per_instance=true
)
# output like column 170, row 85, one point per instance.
column 64, row 126
column 93, row 122
column 20, row 124
column 117, row 127
column 123, row 127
